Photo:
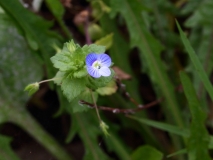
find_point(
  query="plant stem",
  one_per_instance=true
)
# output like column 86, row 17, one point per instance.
column 48, row 80
column 96, row 107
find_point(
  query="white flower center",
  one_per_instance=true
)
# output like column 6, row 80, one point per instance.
column 97, row 65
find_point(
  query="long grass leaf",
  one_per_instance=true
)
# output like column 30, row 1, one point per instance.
column 199, row 138
column 198, row 66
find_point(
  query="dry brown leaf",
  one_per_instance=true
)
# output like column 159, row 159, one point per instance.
column 81, row 17
column 121, row 74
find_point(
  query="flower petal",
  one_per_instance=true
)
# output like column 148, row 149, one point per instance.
column 104, row 71
column 105, row 59
column 92, row 57
column 93, row 72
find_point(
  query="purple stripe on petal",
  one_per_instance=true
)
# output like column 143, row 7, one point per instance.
column 92, row 57
column 105, row 71
column 105, row 59
column 93, row 72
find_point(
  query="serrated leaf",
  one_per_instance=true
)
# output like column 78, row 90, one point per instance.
column 6, row 152
column 106, row 41
column 86, row 96
column 72, row 87
column 147, row 151
column 81, row 73
column 199, row 138
column 109, row 89
column 63, row 61
column 59, row 77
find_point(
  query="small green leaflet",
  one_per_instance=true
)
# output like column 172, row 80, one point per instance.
column 73, row 87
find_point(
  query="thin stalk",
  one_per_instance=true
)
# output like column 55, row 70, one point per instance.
column 96, row 107
column 48, row 80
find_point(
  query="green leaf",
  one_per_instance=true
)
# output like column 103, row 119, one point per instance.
column 6, row 152
column 72, row 87
column 56, row 8
column 109, row 89
column 147, row 152
column 95, row 83
column 59, row 77
column 197, row 65
column 32, row 88
column 19, row 66
column 89, row 131
column 150, row 50
column 184, row 151
column 199, row 137
column 106, row 41
column 86, row 96
column 35, row 29
column 93, row 48
column 163, row 126
column 80, row 73
column 116, row 144
column 63, row 61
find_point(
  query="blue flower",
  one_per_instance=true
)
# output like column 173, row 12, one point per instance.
column 98, row 65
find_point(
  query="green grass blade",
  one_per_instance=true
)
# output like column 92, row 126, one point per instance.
column 199, row 138
column 198, row 66
column 163, row 126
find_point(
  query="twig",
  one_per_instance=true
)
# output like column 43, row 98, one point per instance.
column 123, row 90
column 126, row 111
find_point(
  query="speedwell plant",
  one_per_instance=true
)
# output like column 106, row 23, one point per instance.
column 82, row 73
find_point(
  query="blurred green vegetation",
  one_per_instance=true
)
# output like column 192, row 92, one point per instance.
column 163, row 47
